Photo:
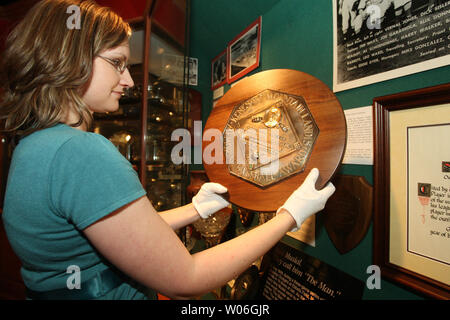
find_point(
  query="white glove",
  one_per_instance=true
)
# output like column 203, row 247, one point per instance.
column 207, row 201
column 306, row 200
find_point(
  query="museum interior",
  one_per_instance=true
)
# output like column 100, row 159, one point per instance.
column 358, row 89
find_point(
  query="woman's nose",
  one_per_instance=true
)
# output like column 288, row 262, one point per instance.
column 126, row 80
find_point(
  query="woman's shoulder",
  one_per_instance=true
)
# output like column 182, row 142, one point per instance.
column 65, row 133
column 86, row 141
column 62, row 137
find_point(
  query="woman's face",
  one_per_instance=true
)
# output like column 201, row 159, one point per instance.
column 106, row 85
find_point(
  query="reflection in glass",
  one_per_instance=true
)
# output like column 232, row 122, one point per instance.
column 123, row 140
column 213, row 228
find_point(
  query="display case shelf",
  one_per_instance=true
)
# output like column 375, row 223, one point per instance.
column 148, row 112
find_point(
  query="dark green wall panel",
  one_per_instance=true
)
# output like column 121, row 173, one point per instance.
column 298, row 34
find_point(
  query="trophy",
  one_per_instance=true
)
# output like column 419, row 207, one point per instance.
column 213, row 227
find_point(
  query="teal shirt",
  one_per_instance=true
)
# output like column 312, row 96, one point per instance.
column 62, row 180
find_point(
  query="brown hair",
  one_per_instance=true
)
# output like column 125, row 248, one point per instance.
column 48, row 63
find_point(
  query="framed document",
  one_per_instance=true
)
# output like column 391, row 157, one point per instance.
column 412, row 189
column 243, row 52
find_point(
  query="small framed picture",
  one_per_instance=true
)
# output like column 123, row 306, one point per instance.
column 243, row 52
column 219, row 70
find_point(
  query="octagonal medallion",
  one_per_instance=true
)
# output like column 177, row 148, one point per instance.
column 269, row 137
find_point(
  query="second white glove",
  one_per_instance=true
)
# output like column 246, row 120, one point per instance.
column 306, row 200
column 207, row 201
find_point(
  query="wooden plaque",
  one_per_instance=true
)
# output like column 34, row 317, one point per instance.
column 348, row 212
column 326, row 151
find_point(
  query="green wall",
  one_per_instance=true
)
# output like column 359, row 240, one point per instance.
column 298, row 34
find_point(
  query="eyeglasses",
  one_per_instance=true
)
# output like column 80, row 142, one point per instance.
column 119, row 65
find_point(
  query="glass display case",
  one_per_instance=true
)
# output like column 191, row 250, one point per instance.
column 157, row 104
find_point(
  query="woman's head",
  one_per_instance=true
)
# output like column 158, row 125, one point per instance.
column 49, row 61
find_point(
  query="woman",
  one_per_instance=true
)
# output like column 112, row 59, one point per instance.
column 73, row 203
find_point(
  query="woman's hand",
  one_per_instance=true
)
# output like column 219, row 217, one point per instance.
column 208, row 201
column 306, row 200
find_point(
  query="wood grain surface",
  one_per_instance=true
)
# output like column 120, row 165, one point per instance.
column 327, row 152
column 348, row 212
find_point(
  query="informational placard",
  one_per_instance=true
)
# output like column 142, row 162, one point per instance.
column 217, row 93
column 429, row 192
column 359, row 148
column 378, row 40
column 293, row 275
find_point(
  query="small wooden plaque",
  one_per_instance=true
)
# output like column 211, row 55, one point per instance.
column 348, row 212
column 326, row 154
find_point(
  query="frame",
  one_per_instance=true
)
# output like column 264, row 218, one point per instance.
column 411, row 234
column 219, row 70
column 243, row 52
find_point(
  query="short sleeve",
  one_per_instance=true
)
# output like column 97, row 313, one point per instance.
column 89, row 179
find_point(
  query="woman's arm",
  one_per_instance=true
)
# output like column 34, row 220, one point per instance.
column 138, row 241
column 206, row 202
column 180, row 217
column 221, row 263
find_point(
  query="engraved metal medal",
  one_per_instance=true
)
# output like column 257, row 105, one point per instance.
column 269, row 137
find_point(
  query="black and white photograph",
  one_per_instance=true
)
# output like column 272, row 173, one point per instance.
column 243, row 52
column 172, row 69
column 377, row 40
column 192, row 71
column 219, row 70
